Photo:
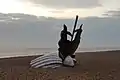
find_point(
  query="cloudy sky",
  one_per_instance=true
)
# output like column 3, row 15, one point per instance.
column 59, row 8
column 37, row 23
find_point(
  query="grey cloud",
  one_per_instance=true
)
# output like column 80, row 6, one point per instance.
column 45, row 32
column 113, row 13
column 68, row 3
column 57, row 11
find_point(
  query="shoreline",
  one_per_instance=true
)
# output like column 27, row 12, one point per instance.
column 79, row 52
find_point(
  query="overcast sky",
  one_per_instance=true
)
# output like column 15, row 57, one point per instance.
column 59, row 8
column 23, row 26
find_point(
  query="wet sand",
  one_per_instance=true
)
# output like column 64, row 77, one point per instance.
column 104, row 65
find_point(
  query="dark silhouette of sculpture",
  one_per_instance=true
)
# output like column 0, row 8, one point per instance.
column 63, row 35
column 67, row 47
column 63, row 41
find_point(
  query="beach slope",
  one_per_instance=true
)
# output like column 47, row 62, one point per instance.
column 104, row 65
